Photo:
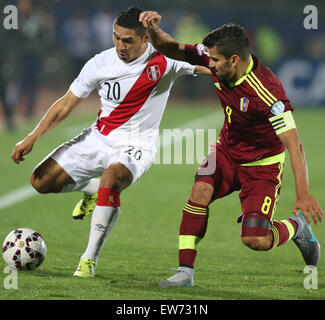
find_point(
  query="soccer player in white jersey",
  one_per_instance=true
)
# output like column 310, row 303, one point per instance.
column 133, row 81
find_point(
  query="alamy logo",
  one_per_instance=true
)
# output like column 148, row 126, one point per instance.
column 311, row 280
column 311, row 19
column 11, row 280
column 10, row 20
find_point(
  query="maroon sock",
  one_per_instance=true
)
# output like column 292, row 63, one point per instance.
column 283, row 231
column 192, row 230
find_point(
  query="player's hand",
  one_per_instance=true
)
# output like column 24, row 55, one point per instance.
column 309, row 206
column 21, row 149
column 150, row 19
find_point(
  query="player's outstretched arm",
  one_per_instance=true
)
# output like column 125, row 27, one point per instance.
column 304, row 201
column 55, row 115
column 200, row 70
column 161, row 40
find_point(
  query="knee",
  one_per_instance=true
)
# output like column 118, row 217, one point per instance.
column 41, row 182
column 257, row 243
column 49, row 176
column 37, row 183
column 202, row 193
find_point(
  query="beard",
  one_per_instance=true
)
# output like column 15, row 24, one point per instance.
column 222, row 79
column 226, row 76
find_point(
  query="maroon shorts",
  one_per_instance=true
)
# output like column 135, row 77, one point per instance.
column 260, row 187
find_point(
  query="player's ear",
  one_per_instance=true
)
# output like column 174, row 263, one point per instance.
column 146, row 37
column 234, row 59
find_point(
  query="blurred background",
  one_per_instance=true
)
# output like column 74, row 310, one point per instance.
column 54, row 39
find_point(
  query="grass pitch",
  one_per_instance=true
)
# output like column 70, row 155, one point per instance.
column 142, row 248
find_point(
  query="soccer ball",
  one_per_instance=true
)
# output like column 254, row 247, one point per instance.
column 24, row 249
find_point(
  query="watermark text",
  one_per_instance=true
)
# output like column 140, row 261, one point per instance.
column 11, row 280
column 311, row 280
column 311, row 18
column 10, row 20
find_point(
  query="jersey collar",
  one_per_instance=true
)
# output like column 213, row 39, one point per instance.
column 241, row 79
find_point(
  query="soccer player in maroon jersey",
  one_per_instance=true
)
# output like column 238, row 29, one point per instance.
column 249, row 154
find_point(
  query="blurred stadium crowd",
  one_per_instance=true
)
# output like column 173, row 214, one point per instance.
column 55, row 38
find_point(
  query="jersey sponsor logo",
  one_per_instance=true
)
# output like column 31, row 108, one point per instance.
column 201, row 49
column 153, row 72
column 244, row 102
column 278, row 108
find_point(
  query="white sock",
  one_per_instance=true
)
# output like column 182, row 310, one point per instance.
column 102, row 222
column 87, row 186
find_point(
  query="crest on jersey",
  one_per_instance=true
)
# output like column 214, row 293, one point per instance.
column 153, row 72
column 244, row 104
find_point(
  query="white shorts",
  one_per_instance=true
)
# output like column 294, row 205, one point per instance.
column 86, row 156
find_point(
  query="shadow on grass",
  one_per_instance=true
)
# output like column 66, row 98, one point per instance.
column 133, row 286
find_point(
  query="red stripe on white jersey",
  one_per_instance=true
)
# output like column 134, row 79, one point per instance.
column 136, row 97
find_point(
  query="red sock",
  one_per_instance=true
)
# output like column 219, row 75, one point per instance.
column 283, row 231
column 192, row 230
column 108, row 197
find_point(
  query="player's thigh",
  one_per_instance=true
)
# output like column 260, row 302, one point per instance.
column 259, row 197
column 83, row 157
column 49, row 175
column 78, row 159
column 215, row 178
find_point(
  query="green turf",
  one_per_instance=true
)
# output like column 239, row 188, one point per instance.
column 142, row 248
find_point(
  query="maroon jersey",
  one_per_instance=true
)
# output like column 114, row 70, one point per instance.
column 249, row 106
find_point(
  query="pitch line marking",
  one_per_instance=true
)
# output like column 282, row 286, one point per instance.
column 17, row 196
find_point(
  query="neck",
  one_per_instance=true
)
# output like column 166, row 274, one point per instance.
column 242, row 67
column 242, row 70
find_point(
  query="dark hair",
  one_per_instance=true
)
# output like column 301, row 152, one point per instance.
column 129, row 18
column 229, row 39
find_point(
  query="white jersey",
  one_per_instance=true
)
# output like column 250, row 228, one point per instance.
column 133, row 95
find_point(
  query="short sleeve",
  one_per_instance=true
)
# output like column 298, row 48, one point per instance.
column 86, row 81
column 182, row 68
column 197, row 55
